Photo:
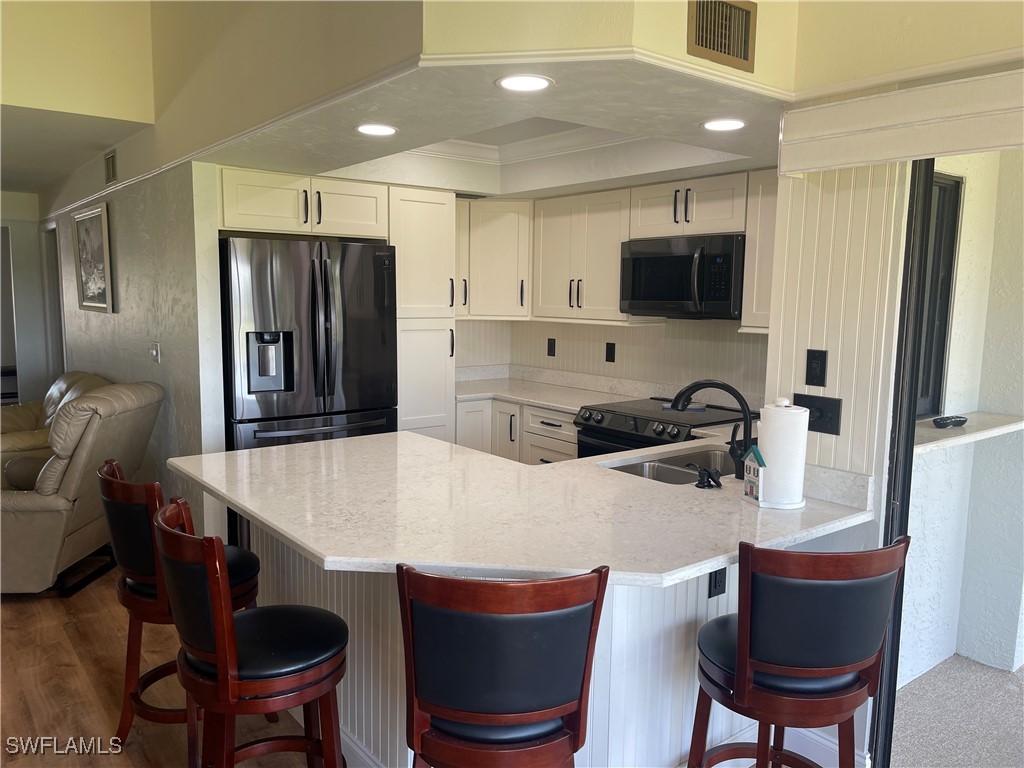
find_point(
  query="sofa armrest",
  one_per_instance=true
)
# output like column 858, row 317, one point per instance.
column 20, row 417
column 33, row 534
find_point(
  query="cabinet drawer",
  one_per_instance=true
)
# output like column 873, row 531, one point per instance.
column 538, row 449
column 554, row 424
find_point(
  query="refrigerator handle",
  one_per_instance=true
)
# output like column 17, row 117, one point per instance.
column 316, row 323
column 330, row 321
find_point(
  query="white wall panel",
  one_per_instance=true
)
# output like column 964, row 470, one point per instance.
column 836, row 287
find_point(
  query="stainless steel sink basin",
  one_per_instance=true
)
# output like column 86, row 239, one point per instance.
column 673, row 469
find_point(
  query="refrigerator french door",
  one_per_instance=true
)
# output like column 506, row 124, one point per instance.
column 309, row 340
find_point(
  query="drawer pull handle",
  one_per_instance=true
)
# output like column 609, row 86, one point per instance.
column 551, row 424
column 544, row 461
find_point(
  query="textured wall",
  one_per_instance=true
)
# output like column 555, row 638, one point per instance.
column 939, row 504
column 153, row 260
column 970, row 296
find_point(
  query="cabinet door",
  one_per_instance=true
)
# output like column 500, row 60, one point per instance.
column 462, row 258
column 603, row 226
column 473, row 425
column 553, row 278
column 265, row 202
column 505, row 430
column 713, row 205
column 537, row 449
column 423, row 233
column 351, row 208
column 762, row 198
column 426, row 377
column 499, row 257
column 656, row 211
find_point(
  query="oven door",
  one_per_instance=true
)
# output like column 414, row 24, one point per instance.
column 595, row 444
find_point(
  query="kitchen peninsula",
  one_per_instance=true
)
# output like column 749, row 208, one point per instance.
column 330, row 520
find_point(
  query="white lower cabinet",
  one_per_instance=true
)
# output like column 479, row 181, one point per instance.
column 505, row 419
column 426, row 377
column 473, row 425
column 537, row 449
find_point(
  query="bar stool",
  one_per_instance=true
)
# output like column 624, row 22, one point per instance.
column 130, row 509
column 257, row 661
column 497, row 673
column 804, row 650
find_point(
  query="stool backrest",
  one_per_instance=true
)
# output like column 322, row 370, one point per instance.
column 809, row 614
column 195, row 577
column 502, row 652
column 130, row 508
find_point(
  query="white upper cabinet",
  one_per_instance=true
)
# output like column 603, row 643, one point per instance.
column 349, row 207
column 499, row 258
column 278, row 202
column 762, row 199
column 423, row 233
column 462, row 258
column 695, row 207
column 577, row 253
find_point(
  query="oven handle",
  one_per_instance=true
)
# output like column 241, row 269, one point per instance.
column 601, row 446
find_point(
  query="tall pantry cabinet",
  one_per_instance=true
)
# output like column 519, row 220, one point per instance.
column 423, row 233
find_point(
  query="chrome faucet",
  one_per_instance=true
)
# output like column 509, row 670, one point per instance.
column 685, row 395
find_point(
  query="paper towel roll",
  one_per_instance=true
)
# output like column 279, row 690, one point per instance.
column 782, row 441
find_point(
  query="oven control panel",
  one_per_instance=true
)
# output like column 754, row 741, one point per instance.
column 610, row 424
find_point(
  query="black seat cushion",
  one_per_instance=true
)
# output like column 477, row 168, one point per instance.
column 280, row 640
column 497, row 734
column 717, row 644
column 243, row 565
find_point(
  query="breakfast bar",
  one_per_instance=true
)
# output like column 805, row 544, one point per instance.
column 330, row 520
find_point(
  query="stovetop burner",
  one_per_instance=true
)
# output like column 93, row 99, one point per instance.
column 652, row 420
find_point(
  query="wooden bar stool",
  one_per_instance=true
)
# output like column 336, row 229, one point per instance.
column 497, row 673
column 130, row 509
column 804, row 650
column 258, row 661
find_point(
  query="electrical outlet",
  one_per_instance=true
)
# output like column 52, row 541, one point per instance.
column 716, row 583
column 609, row 352
column 154, row 351
column 551, row 347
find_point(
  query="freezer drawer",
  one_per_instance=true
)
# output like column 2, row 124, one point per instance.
column 264, row 433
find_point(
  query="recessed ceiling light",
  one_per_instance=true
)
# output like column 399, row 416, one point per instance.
column 724, row 125
column 373, row 129
column 525, row 82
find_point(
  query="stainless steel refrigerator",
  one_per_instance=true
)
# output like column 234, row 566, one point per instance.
column 309, row 339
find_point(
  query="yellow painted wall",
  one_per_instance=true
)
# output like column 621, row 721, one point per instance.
column 661, row 27
column 842, row 42
column 521, row 25
column 81, row 57
column 22, row 206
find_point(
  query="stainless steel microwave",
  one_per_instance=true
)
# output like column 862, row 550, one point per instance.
column 683, row 277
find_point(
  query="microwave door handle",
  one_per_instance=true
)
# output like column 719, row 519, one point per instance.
column 695, row 274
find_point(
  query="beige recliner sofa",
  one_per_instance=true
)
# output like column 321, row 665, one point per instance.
column 59, row 518
column 25, row 427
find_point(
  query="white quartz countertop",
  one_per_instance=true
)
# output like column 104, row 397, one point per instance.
column 367, row 503
column 980, row 426
column 553, row 396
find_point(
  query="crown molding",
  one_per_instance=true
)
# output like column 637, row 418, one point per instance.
column 563, row 143
column 457, row 149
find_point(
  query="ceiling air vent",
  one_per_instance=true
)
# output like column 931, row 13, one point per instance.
column 110, row 166
column 722, row 32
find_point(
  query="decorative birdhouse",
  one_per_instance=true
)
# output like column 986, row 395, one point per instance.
column 753, row 474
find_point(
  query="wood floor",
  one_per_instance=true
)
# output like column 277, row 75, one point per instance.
column 61, row 675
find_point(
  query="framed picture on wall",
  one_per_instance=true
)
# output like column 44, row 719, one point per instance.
column 92, row 260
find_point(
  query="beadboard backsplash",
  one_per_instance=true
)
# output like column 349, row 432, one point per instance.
column 649, row 360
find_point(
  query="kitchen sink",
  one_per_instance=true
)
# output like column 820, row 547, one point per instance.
column 673, row 469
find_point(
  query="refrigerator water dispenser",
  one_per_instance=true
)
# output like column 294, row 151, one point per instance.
column 270, row 361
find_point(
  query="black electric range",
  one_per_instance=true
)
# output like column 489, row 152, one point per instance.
column 612, row 427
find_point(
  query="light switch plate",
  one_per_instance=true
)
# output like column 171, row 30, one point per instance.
column 154, row 351
column 826, row 412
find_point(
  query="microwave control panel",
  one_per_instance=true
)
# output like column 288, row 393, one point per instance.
column 719, row 278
